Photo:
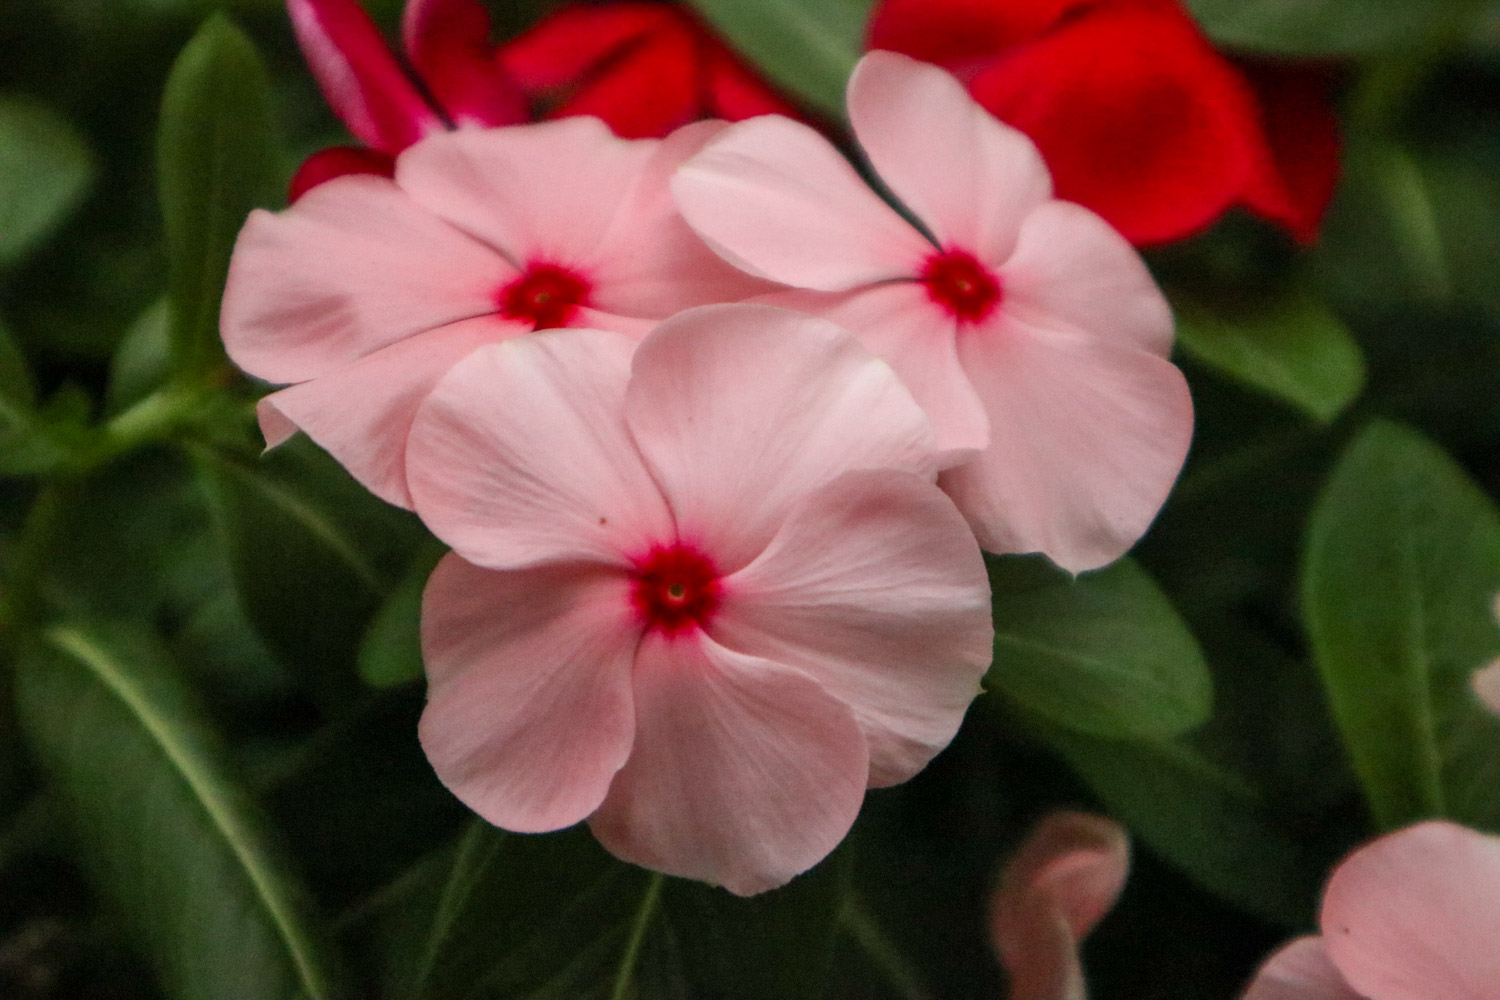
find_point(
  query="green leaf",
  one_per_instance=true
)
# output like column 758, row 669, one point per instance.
column 1401, row 567
column 1202, row 818
column 1291, row 347
column 1104, row 654
column 143, row 361
column 556, row 918
column 217, row 159
column 391, row 653
column 1327, row 27
column 807, row 46
column 313, row 554
column 163, row 829
column 45, row 170
column 17, row 389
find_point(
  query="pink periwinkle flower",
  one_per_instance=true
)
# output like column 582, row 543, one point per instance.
column 1029, row 330
column 702, row 594
column 1058, row 885
column 450, row 79
column 368, row 290
column 1414, row 915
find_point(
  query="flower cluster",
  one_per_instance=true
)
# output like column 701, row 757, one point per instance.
column 715, row 435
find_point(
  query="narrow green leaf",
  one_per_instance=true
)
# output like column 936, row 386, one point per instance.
column 164, row 830
column 1291, row 347
column 1401, row 567
column 391, row 653
column 143, row 361
column 807, row 46
column 17, row 389
column 313, row 554
column 1326, row 27
column 45, row 170
column 1203, row 819
column 556, row 918
column 217, row 159
column 1105, row 654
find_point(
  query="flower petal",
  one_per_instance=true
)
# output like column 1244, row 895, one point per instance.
column 1086, row 439
column 563, row 46
column 1057, row 886
column 1486, row 683
column 520, row 455
column 962, row 33
column 1300, row 970
column 773, row 198
column 360, row 77
column 548, row 191
column 1297, row 109
column 352, row 267
column 743, row 773
column 529, row 708
column 645, row 90
column 875, row 589
column 1072, row 269
column 362, row 414
column 338, row 161
column 1136, row 115
column 448, row 43
column 650, row 263
column 740, row 410
column 1415, row 915
column 900, row 324
column 968, row 177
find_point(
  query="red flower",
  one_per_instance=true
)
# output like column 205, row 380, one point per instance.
column 1137, row 115
column 453, row 80
column 645, row 68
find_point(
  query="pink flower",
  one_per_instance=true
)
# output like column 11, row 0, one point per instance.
column 367, row 290
column 454, row 80
column 1029, row 330
column 703, row 597
column 1056, row 887
column 1413, row 916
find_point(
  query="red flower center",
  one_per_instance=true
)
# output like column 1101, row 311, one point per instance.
column 961, row 285
column 545, row 295
column 676, row 588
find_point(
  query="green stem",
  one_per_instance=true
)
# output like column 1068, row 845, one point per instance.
column 881, row 951
column 637, row 937
column 28, row 559
column 155, row 418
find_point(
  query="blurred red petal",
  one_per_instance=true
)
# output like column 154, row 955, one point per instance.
column 1297, row 110
column 961, row 34
column 576, row 40
column 359, row 75
column 338, row 161
column 1137, row 116
column 448, row 43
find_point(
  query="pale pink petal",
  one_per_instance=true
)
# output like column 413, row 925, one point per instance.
column 744, row 773
column 899, row 323
column 1416, row 915
column 362, row 414
column 650, row 263
column 529, row 710
column 547, row 191
column 1057, row 886
column 1086, row 440
column 1487, row 685
column 741, row 410
column 596, row 319
column 359, row 75
column 874, row 588
column 970, row 178
column 776, row 200
column 354, row 266
column 448, row 43
column 1300, row 970
column 520, row 455
column 1071, row 269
